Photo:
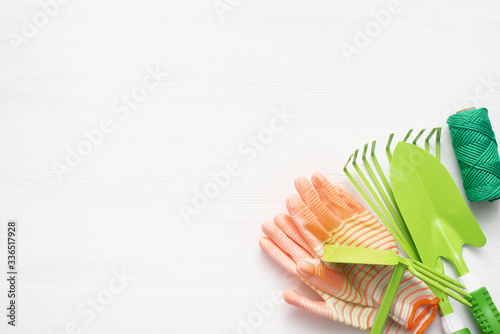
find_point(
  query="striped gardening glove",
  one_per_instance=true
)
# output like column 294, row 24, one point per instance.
column 286, row 246
column 325, row 214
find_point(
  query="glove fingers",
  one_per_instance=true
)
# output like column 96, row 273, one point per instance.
column 350, row 200
column 278, row 256
column 318, row 308
column 330, row 197
column 330, row 281
column 308, row 225
column 313, row 201
column 339, row 201
column 287, row 245
column 286, row 224
column 361, row 228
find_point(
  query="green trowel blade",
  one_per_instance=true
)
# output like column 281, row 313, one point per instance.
column 435, row 212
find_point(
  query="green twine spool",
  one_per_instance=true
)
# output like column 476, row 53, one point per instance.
column 477, row 153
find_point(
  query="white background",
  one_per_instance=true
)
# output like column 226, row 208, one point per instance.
column 223, row 78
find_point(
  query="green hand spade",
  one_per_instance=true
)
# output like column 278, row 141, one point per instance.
column 440, row 222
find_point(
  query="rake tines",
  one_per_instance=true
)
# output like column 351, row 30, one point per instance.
column 381, row 198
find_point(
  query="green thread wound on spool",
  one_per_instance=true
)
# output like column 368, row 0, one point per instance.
column 477, row 153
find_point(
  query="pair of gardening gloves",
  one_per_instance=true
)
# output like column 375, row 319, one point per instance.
column 326, row 214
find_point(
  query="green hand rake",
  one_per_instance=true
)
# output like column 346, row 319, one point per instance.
column 432, row 277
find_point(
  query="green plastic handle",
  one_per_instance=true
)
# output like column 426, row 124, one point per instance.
column 462, row 331
column 485, row 312
column 388, row 299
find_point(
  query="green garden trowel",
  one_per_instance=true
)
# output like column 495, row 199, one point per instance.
column 440, row 222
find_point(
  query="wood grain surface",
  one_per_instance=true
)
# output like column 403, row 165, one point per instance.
column 173, row 93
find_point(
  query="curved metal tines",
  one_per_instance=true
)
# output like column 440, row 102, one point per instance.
column 437, row 144
column 437, row 151
column 376, row 189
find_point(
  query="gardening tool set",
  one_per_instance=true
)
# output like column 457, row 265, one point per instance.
column 418, row 202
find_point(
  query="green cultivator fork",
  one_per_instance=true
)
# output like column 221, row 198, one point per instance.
column 378, row 193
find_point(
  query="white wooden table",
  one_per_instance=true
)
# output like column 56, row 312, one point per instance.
column 114, row 114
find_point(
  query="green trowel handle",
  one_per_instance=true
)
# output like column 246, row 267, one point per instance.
column 485, row 312
column 388, row 299
column 462, row 331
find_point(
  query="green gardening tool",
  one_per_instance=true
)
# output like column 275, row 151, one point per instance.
column 440, row 222
column 432, row 277
column 376, row 190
